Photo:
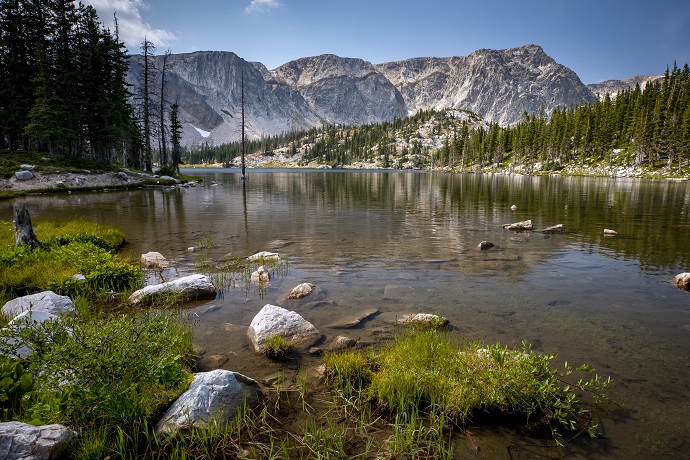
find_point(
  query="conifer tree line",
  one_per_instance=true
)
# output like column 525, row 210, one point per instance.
column 647, row 126
column 62, row 83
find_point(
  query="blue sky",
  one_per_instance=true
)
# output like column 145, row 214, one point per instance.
column 599, row 40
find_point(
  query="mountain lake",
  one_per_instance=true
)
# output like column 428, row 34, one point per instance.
column 406, row 242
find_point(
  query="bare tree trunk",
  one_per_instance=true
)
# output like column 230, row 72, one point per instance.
column 23, row 228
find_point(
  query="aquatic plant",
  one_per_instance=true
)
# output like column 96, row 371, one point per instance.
column 278, row 348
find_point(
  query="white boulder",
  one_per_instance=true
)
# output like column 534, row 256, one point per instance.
column 273, row 320
column 46, row 301
column 218, row 395
column 154, row 259
column 186, row 288
column 24, row 175
column 21, row 441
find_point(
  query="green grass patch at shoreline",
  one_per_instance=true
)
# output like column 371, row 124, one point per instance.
column 67, row 249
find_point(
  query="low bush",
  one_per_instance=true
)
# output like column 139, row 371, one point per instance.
column 102, row 375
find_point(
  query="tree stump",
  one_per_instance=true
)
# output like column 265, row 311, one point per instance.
column 23, row 228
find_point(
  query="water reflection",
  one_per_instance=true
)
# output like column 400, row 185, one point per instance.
column 404, row 241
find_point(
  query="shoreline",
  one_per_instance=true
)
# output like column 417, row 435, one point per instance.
column 48, row 182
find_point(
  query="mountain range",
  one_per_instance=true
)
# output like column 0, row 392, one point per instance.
column 498, row 85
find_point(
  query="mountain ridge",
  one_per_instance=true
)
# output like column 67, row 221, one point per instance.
column 498, row 85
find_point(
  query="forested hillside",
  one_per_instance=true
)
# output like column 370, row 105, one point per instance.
column 649, row 128
column 62, row 83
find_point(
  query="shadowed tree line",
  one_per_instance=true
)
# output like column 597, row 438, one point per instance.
column 62, row 83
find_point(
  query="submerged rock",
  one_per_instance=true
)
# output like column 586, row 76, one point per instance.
column 524, row 225
column 485, row 245
column 21, row 441
column 273, row 320
column 609, row 232
column 186, row 288
column 46, row 301
column 341, row 342
column 682, row 280
column 353, row 320
column 425, row 319
column 398, row 292
column 559, row 228
column 217, row 395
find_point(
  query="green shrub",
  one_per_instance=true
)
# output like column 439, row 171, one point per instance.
column 278, row 348
column 100, row 374
column 16, row 384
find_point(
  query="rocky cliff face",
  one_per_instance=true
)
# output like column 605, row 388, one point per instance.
column 343, row 91
column 499, row 85
column 208, row 89
column 613, row 87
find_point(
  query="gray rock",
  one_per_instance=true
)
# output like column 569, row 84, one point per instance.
column 560, row 228
column 301, row 291
column 353, row 320
column 524, row 225
column 682, row 280
column 24, row 175
column 186, row 288
column 27, row 167
column 177, row 181
column 154, row 259
column 485, row 245
column 273, row 320
column 217, row 395
column 341, row 342
column 21, row 441
column 46, row 301
column 609, row 232
column 123, row 175
column 22, row 350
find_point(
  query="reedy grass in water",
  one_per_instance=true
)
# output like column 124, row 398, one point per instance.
column 425, row 372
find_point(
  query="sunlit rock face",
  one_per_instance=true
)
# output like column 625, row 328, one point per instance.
column 498, row 85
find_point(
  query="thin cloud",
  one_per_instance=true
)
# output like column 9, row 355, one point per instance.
column 132, row 26
column 261, row 6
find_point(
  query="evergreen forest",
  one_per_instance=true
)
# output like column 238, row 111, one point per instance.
column 62, row 83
